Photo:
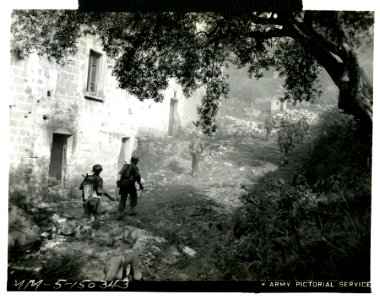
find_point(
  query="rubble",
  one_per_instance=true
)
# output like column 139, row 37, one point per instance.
column 188, row 251
column 45, row 234
column 51, row 244
column 230, row 125
column 69, row 227
column 176, row 164
column 312, row 117
column 106, row 207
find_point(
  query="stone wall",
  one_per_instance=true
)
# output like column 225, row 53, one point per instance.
column 50, row 99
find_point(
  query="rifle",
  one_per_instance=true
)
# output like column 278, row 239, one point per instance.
column 84, row 179
column 109, row 196
column 104, row 192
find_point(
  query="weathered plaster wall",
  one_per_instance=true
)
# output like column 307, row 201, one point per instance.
column 48, row 98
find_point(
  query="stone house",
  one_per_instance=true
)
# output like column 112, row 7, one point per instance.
column 64, row 119
column 277, row 106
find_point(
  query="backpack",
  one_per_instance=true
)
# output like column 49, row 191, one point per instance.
column 88, row 187
column 126, row 178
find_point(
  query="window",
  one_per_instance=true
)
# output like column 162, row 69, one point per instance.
column 93, row 73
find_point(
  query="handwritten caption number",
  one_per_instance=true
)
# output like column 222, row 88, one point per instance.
column 78, row 285
column 120, row 284
column 88, row 284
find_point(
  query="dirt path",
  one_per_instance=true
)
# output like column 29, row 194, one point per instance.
column 187, row 211
column 182, row 222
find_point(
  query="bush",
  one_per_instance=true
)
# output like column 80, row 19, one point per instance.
column 340, row 151
column 27, row 216
column 23, row 235
column 311, row 219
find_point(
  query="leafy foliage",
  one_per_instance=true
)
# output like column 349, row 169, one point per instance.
column 297, row 227
column 196, row 48
column 339, row 131
column 46, row 31
column 300, row 71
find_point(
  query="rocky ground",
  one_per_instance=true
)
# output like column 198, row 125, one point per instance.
column 182, row 223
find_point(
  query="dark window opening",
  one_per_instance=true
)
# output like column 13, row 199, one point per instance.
column 93, row 73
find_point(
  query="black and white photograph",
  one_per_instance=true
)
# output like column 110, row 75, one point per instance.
column 217, row 148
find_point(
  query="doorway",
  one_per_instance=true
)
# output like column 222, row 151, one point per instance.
column 57, row 167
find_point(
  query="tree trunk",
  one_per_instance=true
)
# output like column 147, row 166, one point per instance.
column 355, row 91
column 341, row 62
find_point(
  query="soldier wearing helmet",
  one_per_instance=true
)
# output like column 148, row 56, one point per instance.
column 92, row 190
column 196, row 149
column 129, row 175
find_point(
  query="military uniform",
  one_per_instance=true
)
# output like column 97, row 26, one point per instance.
column 92, row 190
column 269, row 124
column 129, row 188
column 196, row 149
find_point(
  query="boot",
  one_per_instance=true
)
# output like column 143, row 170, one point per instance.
column 120, row 216
column 133, row 212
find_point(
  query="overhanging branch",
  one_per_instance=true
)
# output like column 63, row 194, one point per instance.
column 315, row 47
column 275, row 32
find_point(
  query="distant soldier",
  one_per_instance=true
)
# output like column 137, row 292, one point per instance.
column 302, row 130
column 269, row 124
column 92, row 190
column 196, row 148
column 285, row 140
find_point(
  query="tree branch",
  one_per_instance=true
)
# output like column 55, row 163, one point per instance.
column 308, row 21
column 318, row 49
column 275, row 32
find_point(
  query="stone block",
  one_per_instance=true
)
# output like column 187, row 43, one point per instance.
column 21, row 98
column 16, row 115
column 23, row 132
column 19, row 80
column 15, row 71
column 13, row 131
column 25, row 107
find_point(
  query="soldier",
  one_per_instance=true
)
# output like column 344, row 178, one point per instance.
column 129, row 175
column 285, row 140
column 92, row 190
column 196, row 148
column 269, row 124
column 302, row 130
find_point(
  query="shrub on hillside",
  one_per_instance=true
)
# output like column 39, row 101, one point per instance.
column 341, row 151
column 23, row 235
column 311, row 219
column 28, row 212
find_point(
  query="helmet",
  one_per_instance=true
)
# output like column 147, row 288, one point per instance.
column 97, row 168
column 134, row 159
